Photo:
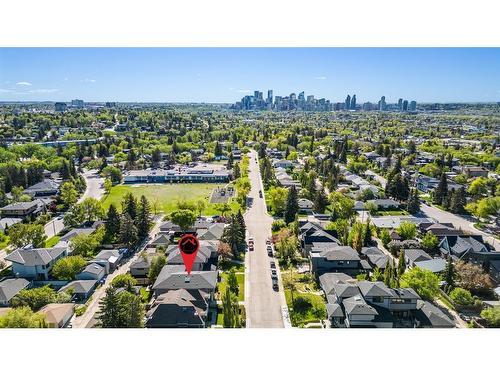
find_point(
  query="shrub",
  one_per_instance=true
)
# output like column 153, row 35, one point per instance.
column 278, row 224
column 462, row 297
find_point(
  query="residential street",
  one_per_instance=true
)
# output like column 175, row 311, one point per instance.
column 83, row 320
column 264, row 306
column 94, row 189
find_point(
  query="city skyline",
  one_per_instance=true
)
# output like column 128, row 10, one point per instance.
column 224, row 75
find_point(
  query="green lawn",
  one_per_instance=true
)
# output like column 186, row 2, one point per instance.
column 167, row 195
column 4, row 241
column 52, row 241
column 241, row 283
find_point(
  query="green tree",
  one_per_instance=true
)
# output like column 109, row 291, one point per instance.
column 320, row 201
column 458, row 201
column 125, row 280
column 143, row 218
column 424, row 282
column 68, row 194
column 113, row 173
column 441, row 190
column 183, row 218
column 84, row 245
column 461, row 297
column 156, row 266
column 232, row 281
column 385, row 237
column 129, row 206
column 36, row 298
column 233, row 235
column 112, row 226
column 401, row 263
column 92, row 210
column 407, row 230
column 478, row 187
column 413, row 205
column 492, row 316
column 292, row 205
column 201, row 205
column 108, row 184
column 22, row 317
column 128, row 230
column 449, row 273
column 472, row 277
column 342, row 206
column 286, row 249
column 230, row 309
column 120, row 310
column 430, row 242
column 68, row 267
column 21, row 234
column 277, row 199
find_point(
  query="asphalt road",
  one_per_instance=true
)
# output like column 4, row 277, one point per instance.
column 94, row 189
column 264, row 306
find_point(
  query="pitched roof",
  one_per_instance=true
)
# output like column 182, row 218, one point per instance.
column 330, row 279
column 79, row 286
column 430, row 315
column 56, row 312
column 434, row 265
column 416, row 255
column 177, row 308
column 10, row 287
column 45, row 185
column 356, row 305
column 175, row 277
column 374, row 289
column 214, row 232
column 35, row 257
column 75, row 232
column 93, row 268
column 334, row 310
column 335, row 252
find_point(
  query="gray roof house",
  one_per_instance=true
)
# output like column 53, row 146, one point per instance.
column 92, row 271
column 75, row 232
column 213, row 232
column 330, row 257
column 435, row 265
column 110, row 259
column 430, row 316
column 82, row 289
column 9, row 288
column 35, row 263
column 415, row 255
column 173, row 277
column 179, row 308
column 44, row 188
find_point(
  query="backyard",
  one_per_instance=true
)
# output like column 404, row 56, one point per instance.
column 166, row 196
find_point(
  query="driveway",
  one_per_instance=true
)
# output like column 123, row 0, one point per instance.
column 265, row 307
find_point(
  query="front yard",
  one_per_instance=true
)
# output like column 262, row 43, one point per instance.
column 305, row 301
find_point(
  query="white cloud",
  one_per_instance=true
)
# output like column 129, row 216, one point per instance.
column 320, row 77
column 23, row 83
column 244, row 91
column 4, row 90
column 89, row 80
column 42, row 91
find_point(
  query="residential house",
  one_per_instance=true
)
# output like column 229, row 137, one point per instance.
column 47, row 187
column 469, row 248
column 283, row 163
column 58, row 315
column 436, row 265
column 473, row 171
column 109, row 259
column 20, row 209
column 92, row 271
column 9, row 289
column 311, row 232
column 415, row 255
column 81, row 289
column 495, row 271
column 384, row 204
column 305, row 205
column 75, row 232
column 328, row 257
column 429, row 316
column 174, row 277
column 376, row 257
column 35, row 263
column 7, row 222
column 179, row 308
column 212, row 233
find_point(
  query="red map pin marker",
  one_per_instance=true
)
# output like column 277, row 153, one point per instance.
column 189, row 245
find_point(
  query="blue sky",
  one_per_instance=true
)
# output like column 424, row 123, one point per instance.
column 227, row 74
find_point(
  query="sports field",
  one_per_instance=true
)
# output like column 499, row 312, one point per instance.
column 166, row 196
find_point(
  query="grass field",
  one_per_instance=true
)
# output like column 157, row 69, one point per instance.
column 166, row 196
column 241, row 284
column 52, row 241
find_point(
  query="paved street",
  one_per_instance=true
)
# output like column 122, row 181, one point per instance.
column 83, row 320
column 263, row 304
column 94, row 189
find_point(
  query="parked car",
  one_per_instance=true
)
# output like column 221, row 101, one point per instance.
column 275, row 284
column 260, row 193
column 269, row 250
column 250, row 247
column 268, row 241
column 273, row 274
column 273, row 265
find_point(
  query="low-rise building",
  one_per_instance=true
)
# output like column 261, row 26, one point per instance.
column 35, row 263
